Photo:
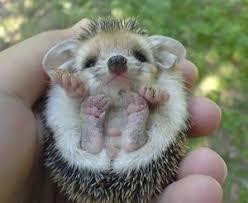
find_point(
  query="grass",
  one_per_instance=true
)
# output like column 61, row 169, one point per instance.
column 215, row 34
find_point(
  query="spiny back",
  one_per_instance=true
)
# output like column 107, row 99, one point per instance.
column 109, row 25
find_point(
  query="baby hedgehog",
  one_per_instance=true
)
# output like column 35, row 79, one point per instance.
column 114, row 114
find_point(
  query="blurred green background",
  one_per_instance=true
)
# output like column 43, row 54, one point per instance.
column 215, row 33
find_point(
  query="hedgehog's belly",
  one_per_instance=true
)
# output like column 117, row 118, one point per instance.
column 112, row 186
column 113, row 127
column 130, row 177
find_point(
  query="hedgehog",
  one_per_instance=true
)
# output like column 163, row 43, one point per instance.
column 114, row 114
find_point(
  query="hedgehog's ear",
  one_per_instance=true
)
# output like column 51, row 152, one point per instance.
column 61, row 56
column 167, row 51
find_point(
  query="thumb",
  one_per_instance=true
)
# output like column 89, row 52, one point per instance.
column 23, row 75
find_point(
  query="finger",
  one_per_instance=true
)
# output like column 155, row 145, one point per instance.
column 193, row 189
column 189, row 72
column 22, row 74
column 18, row 146
column 209, row 163
column 76, row 29
column 205, row 116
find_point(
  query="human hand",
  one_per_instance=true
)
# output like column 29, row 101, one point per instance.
column 22, row 80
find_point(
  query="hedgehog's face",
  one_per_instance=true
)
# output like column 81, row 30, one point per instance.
column 115, row 59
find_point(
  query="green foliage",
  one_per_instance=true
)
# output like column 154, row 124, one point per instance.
column 215, row 34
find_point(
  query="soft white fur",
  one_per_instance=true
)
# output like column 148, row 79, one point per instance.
column 63, row 116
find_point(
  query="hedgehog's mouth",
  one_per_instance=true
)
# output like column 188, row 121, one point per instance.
column 118, row 79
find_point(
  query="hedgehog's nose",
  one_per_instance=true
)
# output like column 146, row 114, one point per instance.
column 117, row 64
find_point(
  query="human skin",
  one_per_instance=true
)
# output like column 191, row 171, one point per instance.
column 22, row 81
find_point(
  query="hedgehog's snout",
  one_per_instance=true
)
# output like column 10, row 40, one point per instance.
column 117, row 64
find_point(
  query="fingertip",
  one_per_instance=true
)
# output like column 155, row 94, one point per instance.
column 19, row 145
column 76, row 29
column 209, row 163
column 193, row 188
column 205, row 116
column 189, row 72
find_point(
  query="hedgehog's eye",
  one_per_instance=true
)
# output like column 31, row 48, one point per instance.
column 90, row 62
column 140, row 56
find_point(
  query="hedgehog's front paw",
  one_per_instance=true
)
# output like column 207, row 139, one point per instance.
column 135, row 104
column 73, row 86
column 95, row 106
column 153, row 95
